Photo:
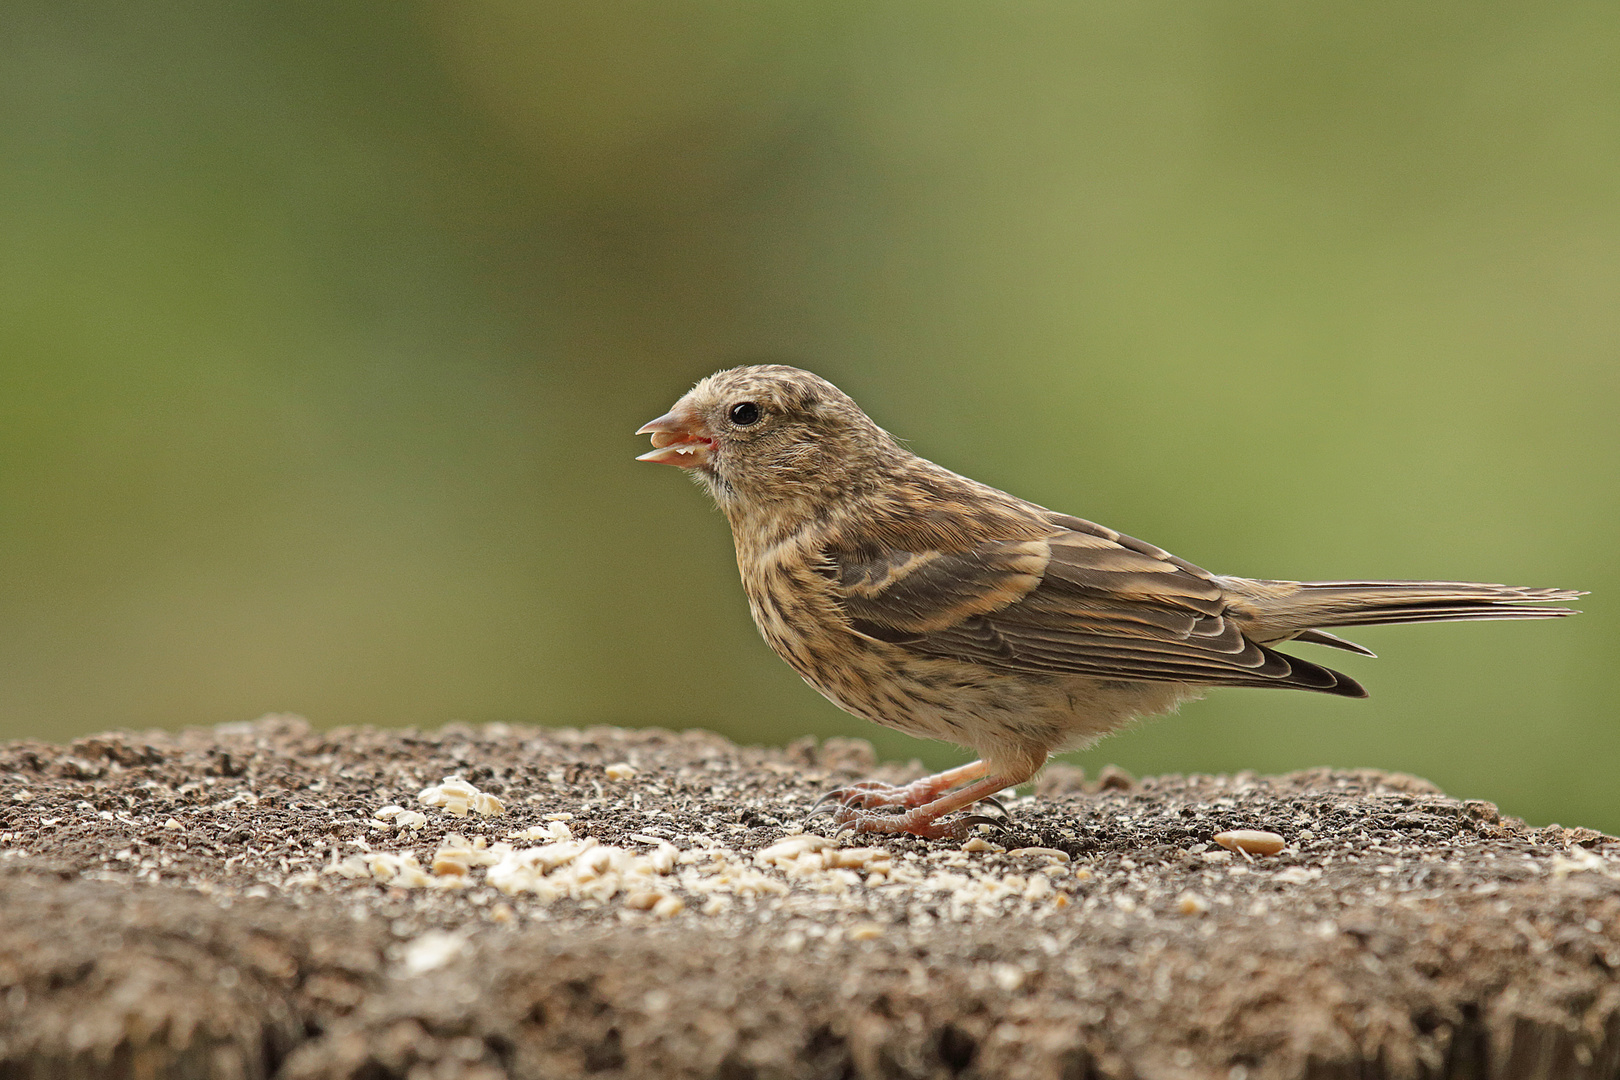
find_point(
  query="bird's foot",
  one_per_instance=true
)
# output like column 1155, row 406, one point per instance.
column 923, row 807
column 915, row 822
column 859, row 798
column 874, row 794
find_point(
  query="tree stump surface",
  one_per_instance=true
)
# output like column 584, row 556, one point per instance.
column 226, row 903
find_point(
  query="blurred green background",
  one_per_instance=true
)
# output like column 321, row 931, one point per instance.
column 324, row 327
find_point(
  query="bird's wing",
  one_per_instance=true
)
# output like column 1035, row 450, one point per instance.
column 1084, row 600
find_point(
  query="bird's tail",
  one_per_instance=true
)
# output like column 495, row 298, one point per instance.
column 1282, row 610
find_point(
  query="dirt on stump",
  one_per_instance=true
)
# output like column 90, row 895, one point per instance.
column 263, row 900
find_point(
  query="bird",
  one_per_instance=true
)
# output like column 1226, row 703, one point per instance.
column 945, row 608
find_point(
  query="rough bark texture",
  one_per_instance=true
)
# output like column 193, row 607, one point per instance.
column 187, row 906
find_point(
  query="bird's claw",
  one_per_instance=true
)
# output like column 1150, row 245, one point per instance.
column 973, row 820
column 848, row 825
column 954, row 828
column 867, row 795
column 991, row 800
column 821, row 805
column 873, row 806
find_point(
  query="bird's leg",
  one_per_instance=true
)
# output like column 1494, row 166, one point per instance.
column 923, row 820
column 869, row 794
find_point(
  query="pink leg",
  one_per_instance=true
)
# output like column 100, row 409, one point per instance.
column 874, row 793
column 922, row 819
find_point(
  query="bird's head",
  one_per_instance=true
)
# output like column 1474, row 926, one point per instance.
column 769, row 439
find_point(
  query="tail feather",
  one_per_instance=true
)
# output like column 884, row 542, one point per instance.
column 1294, row 609
column 1322, row 637
column 1273, row 612
column 1305, row 675
column 1416, row 613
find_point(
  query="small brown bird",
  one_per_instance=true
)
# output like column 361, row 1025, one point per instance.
column 940, row 606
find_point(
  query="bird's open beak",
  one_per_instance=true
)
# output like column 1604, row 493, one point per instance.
column 677, row 440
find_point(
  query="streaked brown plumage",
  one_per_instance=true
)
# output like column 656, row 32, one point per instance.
column 940, row 606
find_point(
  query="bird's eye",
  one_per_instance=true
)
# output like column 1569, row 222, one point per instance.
column 744, row 413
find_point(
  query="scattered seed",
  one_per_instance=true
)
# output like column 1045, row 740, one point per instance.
column 642, row 900
column 457, row 797
column 1251, row 841
column 433, row 950
column 1043, row 852
column 1190, row 903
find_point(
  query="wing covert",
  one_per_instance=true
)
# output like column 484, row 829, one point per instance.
column 1082, row 601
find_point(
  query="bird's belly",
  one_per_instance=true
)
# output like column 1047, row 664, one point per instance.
column 993, row 712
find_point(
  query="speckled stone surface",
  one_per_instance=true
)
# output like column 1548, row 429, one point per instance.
column 227, row 903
